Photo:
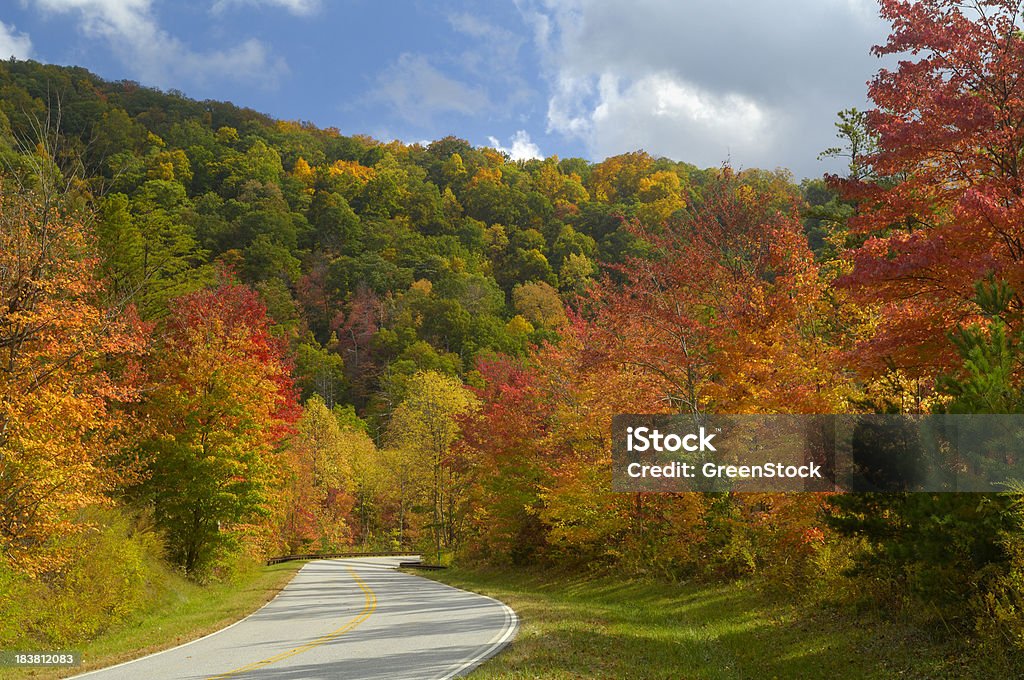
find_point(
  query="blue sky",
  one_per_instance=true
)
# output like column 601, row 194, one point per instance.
column 756, row 82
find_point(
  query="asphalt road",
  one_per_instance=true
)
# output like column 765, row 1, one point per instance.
column 343, row 619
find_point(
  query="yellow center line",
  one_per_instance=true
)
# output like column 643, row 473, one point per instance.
column 368, row 608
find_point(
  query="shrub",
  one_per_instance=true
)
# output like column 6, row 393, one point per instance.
column 110, row 571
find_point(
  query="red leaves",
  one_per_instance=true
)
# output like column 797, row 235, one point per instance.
column 947, row 208
column 233, row 321
column 722, row 315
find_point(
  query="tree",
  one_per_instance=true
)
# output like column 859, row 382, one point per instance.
column 149, row 256
column 946, row 544
column 859, row 144
column 506, row 438
column 337, row 227
column 220, row 402
column 539, row 304
column 660, row 195
column 617, row 179
column 938, row 201
column 576, row 274
column 938, row 210
column 320, row 483
column 66, row 360
column 320, row 370
column 726, row 311
column 426, row 423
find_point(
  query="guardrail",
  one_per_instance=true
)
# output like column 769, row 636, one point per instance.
column 329, row 556
column 420, row 565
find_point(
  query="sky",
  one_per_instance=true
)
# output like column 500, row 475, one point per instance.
column 756, row 83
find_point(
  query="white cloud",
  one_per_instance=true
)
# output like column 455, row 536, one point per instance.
column 158, row 58
column 416, row 90
column 521, row 149
column 296, row 7
column 13, row 44
column 659, row 111
column 759, row 83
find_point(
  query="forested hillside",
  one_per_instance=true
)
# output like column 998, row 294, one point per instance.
column 225, row 336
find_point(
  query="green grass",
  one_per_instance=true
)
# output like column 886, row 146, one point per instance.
column 183, row 611
column 588, row 627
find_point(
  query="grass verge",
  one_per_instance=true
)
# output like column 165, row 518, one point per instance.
column 586, row 627
column 184, row 611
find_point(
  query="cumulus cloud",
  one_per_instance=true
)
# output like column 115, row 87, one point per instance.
column 158, row 58
column 14, row 44
column 759, row 83
column 296, row 7
column 661, row 111
column 522, row 147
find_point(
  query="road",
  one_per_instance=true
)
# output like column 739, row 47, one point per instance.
column 355, row 619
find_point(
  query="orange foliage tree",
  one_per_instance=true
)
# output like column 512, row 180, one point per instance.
column 66, row 360
column 727, row 311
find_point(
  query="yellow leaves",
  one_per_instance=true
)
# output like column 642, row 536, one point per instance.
column 227, row 135
column 289, row 127
column 303, row 172
column 164, row 171
column 324, row 449
column 519, row 326
column 549, row 181
column 660, row 185
column 325, row 464
column 484, row 175
column 171, row 166
column 426, row 419
column 660, row 195
column 539, row 303
column 494, row 159
column 559, row 188
column 453, row 170
column 422, row 287
column 747, row 195
column 352, row 169
column 617, row 179
column 583, row 513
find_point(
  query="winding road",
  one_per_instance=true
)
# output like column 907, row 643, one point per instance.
column 355, row 619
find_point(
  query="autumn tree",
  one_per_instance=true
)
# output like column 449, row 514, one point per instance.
column 67, row 357
column 426, row 425
column 660, row 195
column 727, row 310
column 939, row 200
column 220, row 402
column 319, row 479
column 506, row 436
column 539, row 304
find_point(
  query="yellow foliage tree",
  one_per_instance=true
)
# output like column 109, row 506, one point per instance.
column 426, row 424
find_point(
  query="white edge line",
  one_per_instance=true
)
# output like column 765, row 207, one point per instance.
column 497, row 643
column 200, row 639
